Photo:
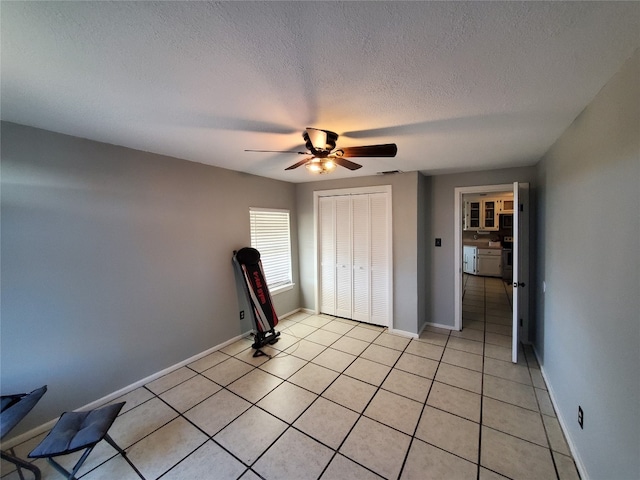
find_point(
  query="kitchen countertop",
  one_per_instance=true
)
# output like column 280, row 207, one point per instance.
column 480, row 244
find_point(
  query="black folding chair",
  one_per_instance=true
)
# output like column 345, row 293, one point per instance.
column 77, row 431
column 13, row 409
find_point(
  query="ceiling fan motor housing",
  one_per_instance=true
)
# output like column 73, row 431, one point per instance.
column 319, row 142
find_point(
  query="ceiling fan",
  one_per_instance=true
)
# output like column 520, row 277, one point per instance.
column 325, row 156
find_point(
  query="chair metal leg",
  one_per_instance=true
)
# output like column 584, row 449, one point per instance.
column 72, row 474
column 122, row 452
column 18, row 462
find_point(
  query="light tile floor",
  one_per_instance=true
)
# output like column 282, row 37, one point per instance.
column 343, row 400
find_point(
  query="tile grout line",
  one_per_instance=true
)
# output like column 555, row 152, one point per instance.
column 379, row 387
column 484, row 338
column 424, row 405
column 209, row 437
column 253, row 404
column 544, row 426
column 361, row 414
column 290, row 425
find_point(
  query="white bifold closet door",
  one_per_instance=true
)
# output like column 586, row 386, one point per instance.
column 354, row 263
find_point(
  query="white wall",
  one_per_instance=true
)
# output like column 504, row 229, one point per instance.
column 116, row 263
column 588, row 335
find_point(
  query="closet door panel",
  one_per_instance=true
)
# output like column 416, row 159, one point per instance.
column 327, row 246
column 344, row 278
column 380, row 238
column 361, row 254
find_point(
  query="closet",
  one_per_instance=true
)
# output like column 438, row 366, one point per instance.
column 354, row 256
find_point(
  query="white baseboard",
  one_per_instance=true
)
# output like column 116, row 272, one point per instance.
column 23, row 437
column 438, row 325
column 561, row 420
column 292, row 312
column 403, row 333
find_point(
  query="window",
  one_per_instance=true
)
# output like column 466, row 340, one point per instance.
column 270, row 236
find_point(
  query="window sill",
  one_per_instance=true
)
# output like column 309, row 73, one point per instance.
column 281, row 289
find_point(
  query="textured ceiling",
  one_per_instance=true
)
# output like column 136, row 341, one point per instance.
column 458, row 86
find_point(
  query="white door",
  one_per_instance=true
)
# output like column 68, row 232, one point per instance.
column 361, row 239
column 380, row 241
column 344, row 279
column 327, row 259
column 520, row 265
column 354, row 241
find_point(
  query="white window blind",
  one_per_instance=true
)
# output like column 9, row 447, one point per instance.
column 270, row 236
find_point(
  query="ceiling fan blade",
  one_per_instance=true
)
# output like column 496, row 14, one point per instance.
column 278, row 151
column 385, row 150
column 299, row 164
column 346, row 163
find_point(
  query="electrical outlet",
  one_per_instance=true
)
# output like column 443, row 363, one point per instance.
column 580, row 417
column 438, row 242
column 241, row 314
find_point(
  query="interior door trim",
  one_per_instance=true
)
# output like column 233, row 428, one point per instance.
column 459, row 192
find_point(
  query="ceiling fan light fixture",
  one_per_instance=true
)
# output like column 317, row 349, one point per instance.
column 321, row 165
column 328, row 165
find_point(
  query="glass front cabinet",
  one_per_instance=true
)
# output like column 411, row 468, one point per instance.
column 472, row 215
column 481, row 215
column 489, row 215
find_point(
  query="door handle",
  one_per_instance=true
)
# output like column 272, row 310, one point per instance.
column 516, row 284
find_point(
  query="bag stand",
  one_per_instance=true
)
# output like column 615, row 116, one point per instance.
column 247, row 259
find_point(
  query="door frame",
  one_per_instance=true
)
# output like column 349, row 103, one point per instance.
column 459, row 192
column 316, row 262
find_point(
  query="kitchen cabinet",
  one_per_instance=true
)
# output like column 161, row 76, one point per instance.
column 489, row 262
column 489, row 219
column 472, row 211
column 481, row 215
column 505, row 205
column 469, row 259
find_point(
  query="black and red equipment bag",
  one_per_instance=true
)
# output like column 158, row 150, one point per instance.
column 264, row 315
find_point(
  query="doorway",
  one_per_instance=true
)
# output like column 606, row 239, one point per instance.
column 478, row 212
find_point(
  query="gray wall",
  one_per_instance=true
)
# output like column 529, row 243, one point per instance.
column 116, row 263
column 425, row 243
column 588, row 333
column 405, row 241
column 441, row 204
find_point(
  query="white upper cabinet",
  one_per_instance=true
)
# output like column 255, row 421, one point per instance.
column 490, row 215
column 481, row 214
column 505, row 205
column 471, row 217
